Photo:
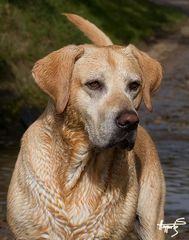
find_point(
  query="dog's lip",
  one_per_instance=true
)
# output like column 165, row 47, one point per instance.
column 125, row 142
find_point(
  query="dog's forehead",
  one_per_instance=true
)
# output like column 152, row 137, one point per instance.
column 106, row 58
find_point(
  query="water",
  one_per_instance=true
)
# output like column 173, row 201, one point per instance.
column 176, row 169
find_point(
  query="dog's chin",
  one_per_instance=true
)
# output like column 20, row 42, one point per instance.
column 127, row 142
column 124, row 144
column 124, row 140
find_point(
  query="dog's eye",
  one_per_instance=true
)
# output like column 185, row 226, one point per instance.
column 94, row 85
column 133, row 86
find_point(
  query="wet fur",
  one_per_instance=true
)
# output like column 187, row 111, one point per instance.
column 63, row 186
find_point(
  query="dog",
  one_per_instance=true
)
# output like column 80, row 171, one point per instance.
column 86, row 168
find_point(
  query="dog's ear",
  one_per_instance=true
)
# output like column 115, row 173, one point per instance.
column 151, row 73
column 53, row 73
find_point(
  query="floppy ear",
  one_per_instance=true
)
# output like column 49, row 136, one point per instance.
column 53, row 73
column 151, row 73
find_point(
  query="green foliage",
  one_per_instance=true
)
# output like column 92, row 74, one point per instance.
column 30, row 29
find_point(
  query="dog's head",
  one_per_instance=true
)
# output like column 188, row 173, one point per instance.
column 104, row 85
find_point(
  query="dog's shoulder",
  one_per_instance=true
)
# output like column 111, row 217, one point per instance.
column 144, row 143
column 145, row 149
column 32, row 130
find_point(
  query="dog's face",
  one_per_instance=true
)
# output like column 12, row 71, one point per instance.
column 104, row 85
column 106, row 90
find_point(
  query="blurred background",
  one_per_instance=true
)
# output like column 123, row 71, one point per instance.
column 31, row 29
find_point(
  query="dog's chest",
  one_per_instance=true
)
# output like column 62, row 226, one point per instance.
column 101, row 207
column 84, row 217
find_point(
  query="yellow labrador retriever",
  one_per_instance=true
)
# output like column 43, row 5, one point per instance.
column 86, row 170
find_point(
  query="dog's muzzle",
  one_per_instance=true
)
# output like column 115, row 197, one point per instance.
column 126, row 123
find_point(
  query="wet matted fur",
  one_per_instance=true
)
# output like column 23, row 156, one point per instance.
column 85, row 170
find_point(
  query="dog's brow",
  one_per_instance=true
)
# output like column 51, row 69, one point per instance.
column 132, row 77
column 111, row 59
column 96, row 75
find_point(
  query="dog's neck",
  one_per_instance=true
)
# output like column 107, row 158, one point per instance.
column 79, row 162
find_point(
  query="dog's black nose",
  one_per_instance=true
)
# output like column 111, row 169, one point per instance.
column 128, row 120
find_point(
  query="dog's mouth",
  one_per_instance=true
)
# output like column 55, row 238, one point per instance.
column 126, row 141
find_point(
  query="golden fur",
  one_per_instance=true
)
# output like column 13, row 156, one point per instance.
column 67, row 184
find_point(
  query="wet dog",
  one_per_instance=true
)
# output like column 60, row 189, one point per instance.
column 86, row 169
